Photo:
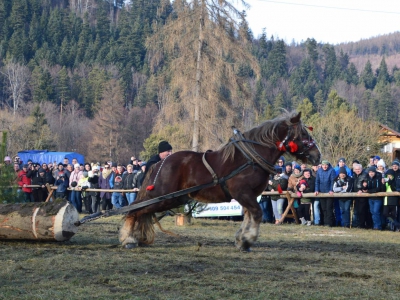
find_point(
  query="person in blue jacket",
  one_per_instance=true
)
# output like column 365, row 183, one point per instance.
column 324, row 184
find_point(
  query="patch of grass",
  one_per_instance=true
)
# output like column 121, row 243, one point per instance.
column 287, row 262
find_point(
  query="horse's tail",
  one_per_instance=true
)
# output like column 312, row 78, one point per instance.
column 144, row 231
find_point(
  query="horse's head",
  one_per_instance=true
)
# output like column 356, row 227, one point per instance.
column 299, row 142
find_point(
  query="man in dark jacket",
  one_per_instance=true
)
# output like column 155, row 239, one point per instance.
column 361, row 204
column 164, row 149
column 324, row 184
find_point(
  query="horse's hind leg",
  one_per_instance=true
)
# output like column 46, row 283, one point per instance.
column 126, row 236
column 248, row 231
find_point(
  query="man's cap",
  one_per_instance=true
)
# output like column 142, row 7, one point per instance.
column 342, row 170
column 395, row 162
column 377, row 157
column 325, row 162
column 342, row 159
column 371, row 169
column 164, row 146
column 41, row 170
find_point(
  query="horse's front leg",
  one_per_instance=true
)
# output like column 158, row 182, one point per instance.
column 126, row 233
column 248, row 231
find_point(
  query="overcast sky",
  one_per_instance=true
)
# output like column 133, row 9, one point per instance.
column 329, row 21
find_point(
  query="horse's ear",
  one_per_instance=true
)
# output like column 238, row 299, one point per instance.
column 296, row 119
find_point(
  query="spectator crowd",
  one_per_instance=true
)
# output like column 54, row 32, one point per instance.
column 369, row 212
column 73, row 179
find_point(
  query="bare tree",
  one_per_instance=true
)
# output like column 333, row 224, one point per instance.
column 17, row 76
column 108, row 125
column 206, row 44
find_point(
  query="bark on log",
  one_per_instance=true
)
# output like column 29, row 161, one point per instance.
column 45, row 221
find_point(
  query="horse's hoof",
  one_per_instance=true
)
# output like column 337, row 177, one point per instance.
column 245, row 250
column 130, row 246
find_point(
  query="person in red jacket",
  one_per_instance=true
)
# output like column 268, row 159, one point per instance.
column 23, row 181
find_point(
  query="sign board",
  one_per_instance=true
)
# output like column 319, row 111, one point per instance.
column 223, row 209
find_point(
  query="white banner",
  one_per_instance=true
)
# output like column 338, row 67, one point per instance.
column 223, row 209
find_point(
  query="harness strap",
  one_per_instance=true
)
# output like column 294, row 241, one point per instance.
column 207, row 165
column 215, row 177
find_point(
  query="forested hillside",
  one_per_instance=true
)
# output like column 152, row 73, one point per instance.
column 99, row 77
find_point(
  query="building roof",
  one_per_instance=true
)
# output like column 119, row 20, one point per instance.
column 386, row 131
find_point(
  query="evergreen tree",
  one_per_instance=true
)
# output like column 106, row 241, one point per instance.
column 41, row 136
column 276, row 64
column 63, row 89
column 367, row 77
column 383, row 75
column 42, row 88
column 312, row 52
column 386, row 109
column 352, row 75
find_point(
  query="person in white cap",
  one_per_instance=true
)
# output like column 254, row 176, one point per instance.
column 7, row 160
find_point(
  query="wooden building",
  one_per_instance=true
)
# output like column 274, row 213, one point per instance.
column 391, row 140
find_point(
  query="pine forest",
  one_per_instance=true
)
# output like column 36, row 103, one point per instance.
column 110, row 79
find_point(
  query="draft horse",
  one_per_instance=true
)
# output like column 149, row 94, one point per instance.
column 253, row 153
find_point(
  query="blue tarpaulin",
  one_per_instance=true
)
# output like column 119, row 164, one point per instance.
column 45, row 156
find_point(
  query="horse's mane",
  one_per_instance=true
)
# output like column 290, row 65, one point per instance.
column 264, row 134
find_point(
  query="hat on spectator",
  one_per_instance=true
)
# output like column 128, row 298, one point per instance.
column 288, row 164
column 377, row 157
column 371, row 169
column 342, row 170
column 114, row 164
column 41, row 170
column 61, row 164
column 297, row 167
column 342, row 159
column 381, row 163
column 282, row 159
column 390, row 172
column 29, row 160
column 25, row 166
column 325, row 162
column 164, row 146
column 395, row 162
column 7, row 158
column 77, row 165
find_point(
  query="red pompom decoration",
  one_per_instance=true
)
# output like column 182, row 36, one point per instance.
column 280, row 146
column 293, row 146
column 310, row 128
column 150, row 188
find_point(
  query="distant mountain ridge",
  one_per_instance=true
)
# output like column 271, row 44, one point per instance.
column 373, row 49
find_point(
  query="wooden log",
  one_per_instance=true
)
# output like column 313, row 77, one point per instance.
column 44, row 221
